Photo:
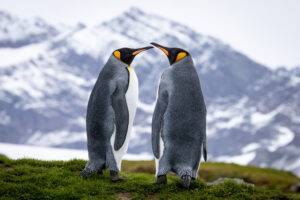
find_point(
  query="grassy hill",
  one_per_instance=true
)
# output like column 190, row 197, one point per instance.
column 33, row 179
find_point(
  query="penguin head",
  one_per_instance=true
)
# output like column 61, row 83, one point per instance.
column 174, row 54
column 126, row 55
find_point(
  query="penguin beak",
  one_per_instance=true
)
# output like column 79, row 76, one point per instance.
column 162, row 48
column 139, row 50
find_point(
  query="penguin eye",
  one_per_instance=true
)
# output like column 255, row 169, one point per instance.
column 180, row 56
column 117, row 54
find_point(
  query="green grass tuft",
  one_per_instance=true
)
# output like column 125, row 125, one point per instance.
column 34, row 179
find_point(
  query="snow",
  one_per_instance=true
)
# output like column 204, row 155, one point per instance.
column 150, row 24
column 242, row 159
column 80, row 121
column 26, row 81
column 294, row 81
column 15, row 29
column 225, row 111
column 284, row 137
column 225, row 117
column 13, row 56
column 94, row 41
column 231, row 123
column 148, row 108
column 16, row 151
column 205, row 61
column 260, row 120
column 250, row 147
column 142, row 129
column 36, row 81
column 56, row 138
column 157, row 27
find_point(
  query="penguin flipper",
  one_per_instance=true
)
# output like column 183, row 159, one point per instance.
column 121, row 117
column 160, row 108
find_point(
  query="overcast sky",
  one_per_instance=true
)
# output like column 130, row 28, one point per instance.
column 266, row 30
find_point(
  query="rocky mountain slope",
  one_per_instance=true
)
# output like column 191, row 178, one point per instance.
column 47, row 73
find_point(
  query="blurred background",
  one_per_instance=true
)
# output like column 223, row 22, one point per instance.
column 246, row 54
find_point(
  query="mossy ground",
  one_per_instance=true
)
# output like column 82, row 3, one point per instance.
column 33, row 179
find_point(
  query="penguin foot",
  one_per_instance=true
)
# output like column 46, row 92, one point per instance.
column 162, row 179
column 100, row 172
column 86, row 173
column 114, row 176
column 186, row 181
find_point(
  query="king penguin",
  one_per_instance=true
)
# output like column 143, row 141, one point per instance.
column 110, row 113
column 179, row 119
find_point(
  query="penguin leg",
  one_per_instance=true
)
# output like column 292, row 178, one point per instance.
column 96, row 152
column 92, row 167
column 112, row 165
column 100, row 172
column 114, row 176
column 162, row 170
column 161, row 179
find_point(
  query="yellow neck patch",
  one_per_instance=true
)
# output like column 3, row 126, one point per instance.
column 117, row 54
column 180, row 56
column 129, row 68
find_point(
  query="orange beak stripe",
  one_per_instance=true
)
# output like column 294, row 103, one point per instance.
column 164, row 50
column 137, row 52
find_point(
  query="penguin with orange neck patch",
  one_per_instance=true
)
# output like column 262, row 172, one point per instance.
column 179, row 119
column 110, row 113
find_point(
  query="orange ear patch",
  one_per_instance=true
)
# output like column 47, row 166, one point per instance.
column 117, row 54
column 180, row 56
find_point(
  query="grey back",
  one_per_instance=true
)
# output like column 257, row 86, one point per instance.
column 107, row 108
column 180, row 115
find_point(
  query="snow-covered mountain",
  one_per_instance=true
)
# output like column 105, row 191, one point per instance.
column 47, row 73
column 17, row 32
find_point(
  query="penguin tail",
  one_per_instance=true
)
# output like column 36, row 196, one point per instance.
column 204, row 154
column 204, row 148
column 186, row 181
column 186, row 176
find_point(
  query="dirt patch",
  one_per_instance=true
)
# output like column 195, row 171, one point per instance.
column 145, row 169
column 152, row 196
column 124, row 196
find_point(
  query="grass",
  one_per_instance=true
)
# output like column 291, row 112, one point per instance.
column 33, row 179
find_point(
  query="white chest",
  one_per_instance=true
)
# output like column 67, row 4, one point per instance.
column 132, row 93
column 132, row 96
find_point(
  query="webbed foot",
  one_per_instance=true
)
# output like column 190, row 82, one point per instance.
column 114, row 176
column 161, row 179
column 85, row 173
